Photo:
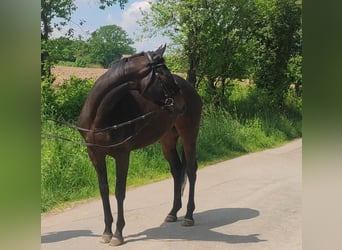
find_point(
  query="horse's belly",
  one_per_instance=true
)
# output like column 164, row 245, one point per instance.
column 152, row 132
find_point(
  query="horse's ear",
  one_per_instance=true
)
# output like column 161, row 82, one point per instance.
column 160, row 51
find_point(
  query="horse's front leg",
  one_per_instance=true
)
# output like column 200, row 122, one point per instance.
column 121, row 161
column 168, row 143
column 99, row 163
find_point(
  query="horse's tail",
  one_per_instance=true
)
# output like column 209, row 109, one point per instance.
column 184, row 175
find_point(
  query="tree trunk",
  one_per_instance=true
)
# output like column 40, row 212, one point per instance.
column 193, row 58
column 45, row 67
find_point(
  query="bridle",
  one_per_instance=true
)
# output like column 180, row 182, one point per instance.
column 168, row 91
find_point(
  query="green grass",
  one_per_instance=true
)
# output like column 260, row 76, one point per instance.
column 68, row 175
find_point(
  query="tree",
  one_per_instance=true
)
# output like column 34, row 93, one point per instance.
column 63, row 10
column 212, row 34
column 224, row 42
column 277, row 33
column 69, row 50
column 174, row 19
column 109, row 43
column 61, row 49
column 295, row 61
column 51, row 9
column 233, row 39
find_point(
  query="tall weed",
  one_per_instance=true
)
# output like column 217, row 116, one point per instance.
column 66, row 171
column 64, row 102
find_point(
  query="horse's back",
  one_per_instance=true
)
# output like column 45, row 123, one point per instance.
column 192, row 98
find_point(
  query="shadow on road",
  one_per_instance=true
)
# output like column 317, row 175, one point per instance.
column 202, row 230
column 65, row 235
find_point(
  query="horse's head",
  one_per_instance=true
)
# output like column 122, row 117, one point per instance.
column 159, row 85
column 149, row 75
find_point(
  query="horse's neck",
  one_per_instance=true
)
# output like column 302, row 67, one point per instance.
column 112, row 79
column 103, row 98
column 108, row 104
column 98, row 105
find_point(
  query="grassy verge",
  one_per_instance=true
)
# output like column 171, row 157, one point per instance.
column 67, row 174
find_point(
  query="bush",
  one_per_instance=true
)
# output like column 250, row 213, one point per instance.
column 83, row 61
column 65, row 102
column 176, row 63
column 71, row 97
column 47, row 101
column 66, row 171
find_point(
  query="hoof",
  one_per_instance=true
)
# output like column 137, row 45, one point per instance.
column 188, row 222
column 170, row 218
column 106, row 238
column 116, row 241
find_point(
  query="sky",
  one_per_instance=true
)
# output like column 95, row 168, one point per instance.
column 89, row 11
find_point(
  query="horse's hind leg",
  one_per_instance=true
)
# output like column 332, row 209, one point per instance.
column 99, row 163
column 168, row 142
column 188, row 131
column 121, row 162
column 191, row 169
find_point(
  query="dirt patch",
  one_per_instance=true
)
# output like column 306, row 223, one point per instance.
column 63, row 73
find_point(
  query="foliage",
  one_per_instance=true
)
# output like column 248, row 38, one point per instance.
column 294, row 73
column 51, row 9
column 211, row 33
column 176, row 62
column 108, row 44
column 60, row 10
column 66, row 49
column 61, row 49
column 47, row 100
column 70, row 98
column 66, row 171
column 104, row 3
column 277, row 32
column 239, row 39
column 64, row 102
column 248, row 101
column 74, row 52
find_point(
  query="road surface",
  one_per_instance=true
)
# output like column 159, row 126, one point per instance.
column 250, row 202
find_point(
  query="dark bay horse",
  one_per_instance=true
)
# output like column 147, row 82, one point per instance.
column 134, row 104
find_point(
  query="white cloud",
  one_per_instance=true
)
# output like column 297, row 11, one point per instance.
column 132, row 14
column 128, row 22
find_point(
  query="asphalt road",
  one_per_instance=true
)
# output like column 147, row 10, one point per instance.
column 250, row 202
